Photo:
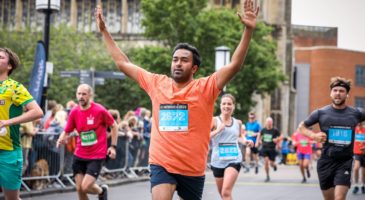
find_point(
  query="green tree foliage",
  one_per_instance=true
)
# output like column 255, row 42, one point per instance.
column 166, row 21
column 170, row 20
column 69, row 50
column 186, row 21
column 24, row 45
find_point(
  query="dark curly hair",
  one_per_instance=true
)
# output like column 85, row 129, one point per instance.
column 342, row 82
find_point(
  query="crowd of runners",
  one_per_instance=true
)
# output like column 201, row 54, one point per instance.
column 184, row 129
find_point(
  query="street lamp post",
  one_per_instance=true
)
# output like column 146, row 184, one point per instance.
column 47, row 7
column 222, row 57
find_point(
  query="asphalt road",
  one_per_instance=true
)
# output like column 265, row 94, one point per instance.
column 285, row 184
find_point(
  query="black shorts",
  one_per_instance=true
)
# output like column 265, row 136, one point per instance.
column 254, row 150
column 334, row 172
column 219, row 172
column 271, row 153
column 86, row 166
column 361, row 158
column 187, row 187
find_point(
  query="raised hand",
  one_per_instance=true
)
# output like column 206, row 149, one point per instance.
column 100, row 18
column 248, row 18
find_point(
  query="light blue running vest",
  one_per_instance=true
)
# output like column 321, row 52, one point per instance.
column 225, row 149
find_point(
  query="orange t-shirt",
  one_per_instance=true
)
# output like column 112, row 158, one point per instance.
column 181, row 122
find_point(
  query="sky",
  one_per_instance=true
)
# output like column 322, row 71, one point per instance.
column 347, row 15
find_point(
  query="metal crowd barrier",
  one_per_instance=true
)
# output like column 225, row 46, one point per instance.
column 131, row 162
column 135, row 154
column 45, row 162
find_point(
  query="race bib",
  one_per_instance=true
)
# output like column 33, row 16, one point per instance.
column 340, row 135
column 303, row 143
column 173, row 117
column 360, row 138
column 228, row 151
column 267, row 138
column 250, row 133
column 88, row 138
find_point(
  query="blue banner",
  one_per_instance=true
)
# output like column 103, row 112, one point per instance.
column 38, row 73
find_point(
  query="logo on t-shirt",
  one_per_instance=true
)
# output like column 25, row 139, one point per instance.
column 90, row 120
column 2, row 102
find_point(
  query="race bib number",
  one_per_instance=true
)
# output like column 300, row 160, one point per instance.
column 267, row 138
column 88, row 138
column 340, row 135
column 173, row 117
column 228, row 151
column 360, row 138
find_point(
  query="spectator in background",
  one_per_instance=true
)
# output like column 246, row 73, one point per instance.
column 129, row 114
column 55, row 127
column 71, row 144
column 285, row 149
column 135, row 143
column 59, row 120
column 51, row 104
column 146, row 119
column 27, row 131
column 114, row 163
column 49, row 120
column 69, row 105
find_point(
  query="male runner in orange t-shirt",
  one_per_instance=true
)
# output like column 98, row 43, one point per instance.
column 182, row 110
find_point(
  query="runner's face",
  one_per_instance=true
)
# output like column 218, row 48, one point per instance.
column 4, row 61
column 269, row 123
column 182, row 68
column 227, row 106
column 83, row 96
column 338, row 95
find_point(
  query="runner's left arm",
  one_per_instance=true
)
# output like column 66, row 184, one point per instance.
column 33, row 112
column 214, row 129
column 114, row 134
column 226, row 73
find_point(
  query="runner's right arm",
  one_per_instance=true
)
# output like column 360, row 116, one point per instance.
column 120, row 59
column 319, row 137
column 61, row 139
column 215, row 129
column 258, row 140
